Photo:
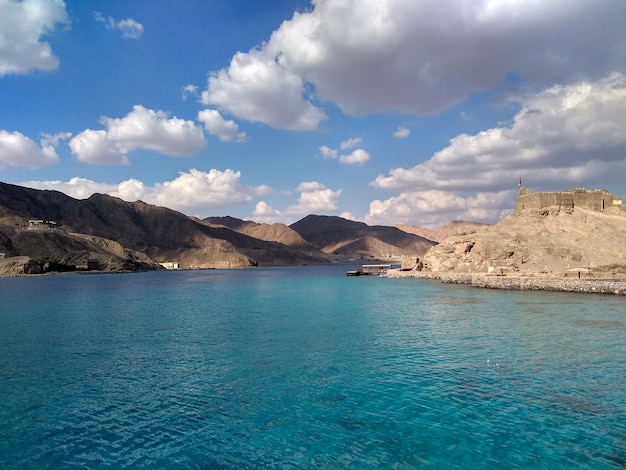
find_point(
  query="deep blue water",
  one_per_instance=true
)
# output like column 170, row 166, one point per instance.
column 306, row 368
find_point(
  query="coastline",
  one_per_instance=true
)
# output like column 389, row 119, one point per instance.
column 519, row 282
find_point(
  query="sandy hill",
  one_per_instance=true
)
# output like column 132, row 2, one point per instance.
column 333, row 234
column 551, row 240
column 455, row 227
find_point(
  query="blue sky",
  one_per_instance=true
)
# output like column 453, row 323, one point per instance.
column 382, row 111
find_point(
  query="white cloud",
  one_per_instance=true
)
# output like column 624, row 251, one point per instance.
column 197, row 191
column 78, row 188
column 54, row 139
column 433, row 208
column 23, row 24
column 215, row 124
column 401, row 133
column 567, row 133
column 357, row 157
column 265, row 214
column 142, row 128
column 19, row 151
column 257, row 87
column 189, row 90
column 95, row 147
column 350, row 143
column 419, row 57
column 131, row 190
column 565, row 136
column 315, row 198
column 194, row 193
column 327, row 152
column 129, row 27
column 348, row 216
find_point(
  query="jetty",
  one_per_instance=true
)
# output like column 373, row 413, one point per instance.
column 372, row 270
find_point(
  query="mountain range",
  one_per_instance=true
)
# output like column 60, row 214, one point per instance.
column 48, row 230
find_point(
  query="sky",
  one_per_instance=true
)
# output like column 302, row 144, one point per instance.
column 380, row 111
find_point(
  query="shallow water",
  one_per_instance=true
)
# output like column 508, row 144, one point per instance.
column 306, row 368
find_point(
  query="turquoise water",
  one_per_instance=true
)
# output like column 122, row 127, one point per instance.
column 306, row 368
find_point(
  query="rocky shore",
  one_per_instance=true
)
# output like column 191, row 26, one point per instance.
column 520, row 282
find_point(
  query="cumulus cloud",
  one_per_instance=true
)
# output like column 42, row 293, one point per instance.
column 265, row 214
column 23, row 24
column 17, row 150
column 414, row 57
column 189, row 90
column 571, row 134
column 215, row 124
column 95, row 147
column 142, row 128
column 258, row 87
column 194, row 192
column 560, row 132
column 315, row 198
column 78, row 188
column 432, row 208
column 129, row 27
column 350, row 143
column 357, row 156
column 326, row 152
column 401, row 133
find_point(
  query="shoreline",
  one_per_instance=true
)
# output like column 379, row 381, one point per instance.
column 520, row 282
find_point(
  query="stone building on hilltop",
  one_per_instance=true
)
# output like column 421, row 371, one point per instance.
column 594, row 199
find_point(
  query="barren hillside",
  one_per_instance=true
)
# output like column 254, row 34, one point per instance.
column 455, row 227
column 546, row 240
column 333, row 234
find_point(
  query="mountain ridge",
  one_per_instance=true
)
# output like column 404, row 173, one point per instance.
column 121, row 235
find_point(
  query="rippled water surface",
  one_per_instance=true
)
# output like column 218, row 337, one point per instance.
column 306, row 368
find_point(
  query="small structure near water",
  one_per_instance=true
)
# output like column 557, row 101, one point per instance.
column 373, row 270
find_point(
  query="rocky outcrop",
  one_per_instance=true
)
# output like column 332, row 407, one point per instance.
column 549, row 240
column 455, row 227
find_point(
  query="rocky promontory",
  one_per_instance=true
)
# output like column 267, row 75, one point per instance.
column 569, row 241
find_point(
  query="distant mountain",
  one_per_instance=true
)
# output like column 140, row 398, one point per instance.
column 135, row 231
column 455, row 227
column 268, row 232
column 333, row 234
column 116, row 235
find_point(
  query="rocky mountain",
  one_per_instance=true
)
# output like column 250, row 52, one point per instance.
column 268, row 232
column 455, row 227
column 546, row 240
column 123, row 234
column 49, row 228
column 332, row 234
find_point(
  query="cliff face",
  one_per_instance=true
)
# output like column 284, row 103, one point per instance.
column 552, row 239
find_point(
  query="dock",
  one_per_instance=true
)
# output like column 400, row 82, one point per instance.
column 372, row 270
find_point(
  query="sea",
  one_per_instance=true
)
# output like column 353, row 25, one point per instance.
column 306, row 368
